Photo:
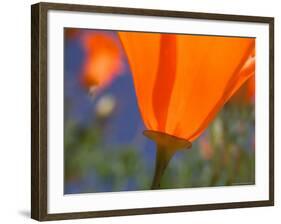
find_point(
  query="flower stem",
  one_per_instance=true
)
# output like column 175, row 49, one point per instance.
column 167, row 146
column 163, row 156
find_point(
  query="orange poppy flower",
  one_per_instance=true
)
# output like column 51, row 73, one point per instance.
column 181, row 82
column 103, row 60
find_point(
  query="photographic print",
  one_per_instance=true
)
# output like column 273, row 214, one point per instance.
column 157, row 111
column 141, row 111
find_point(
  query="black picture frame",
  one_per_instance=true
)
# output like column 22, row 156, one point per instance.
column 39, row 105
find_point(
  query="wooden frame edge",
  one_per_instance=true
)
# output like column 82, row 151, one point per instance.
column 34, row 113
column 38, row 112
column 271, row 110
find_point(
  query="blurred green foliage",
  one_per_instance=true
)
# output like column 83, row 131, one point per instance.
column 223, row 155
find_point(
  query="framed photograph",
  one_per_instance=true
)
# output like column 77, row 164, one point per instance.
column 139, row 111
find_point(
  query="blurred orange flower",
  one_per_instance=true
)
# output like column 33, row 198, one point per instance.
column 71, row 33
column 206, row 149
column 182, row 81
column 246, row 94
column 103, row 60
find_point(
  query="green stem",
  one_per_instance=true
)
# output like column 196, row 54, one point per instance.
column 163, row 156
column 167, row 145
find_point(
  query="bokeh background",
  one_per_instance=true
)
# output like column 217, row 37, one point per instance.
column 104, row 148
